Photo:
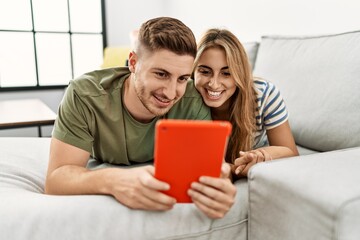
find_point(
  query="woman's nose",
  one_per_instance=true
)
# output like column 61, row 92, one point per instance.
column 214, row 82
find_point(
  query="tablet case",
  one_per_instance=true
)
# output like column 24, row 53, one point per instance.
column 187, row 149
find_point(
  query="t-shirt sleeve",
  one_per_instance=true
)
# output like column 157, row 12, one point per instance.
column 73, row 122
column 275, row 112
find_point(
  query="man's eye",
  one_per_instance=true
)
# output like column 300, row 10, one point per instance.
column 160, row 74
column 183, row 79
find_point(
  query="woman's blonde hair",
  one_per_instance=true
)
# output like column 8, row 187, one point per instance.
column 243, row 102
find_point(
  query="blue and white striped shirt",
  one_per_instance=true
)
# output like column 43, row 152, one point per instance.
column 270, row 110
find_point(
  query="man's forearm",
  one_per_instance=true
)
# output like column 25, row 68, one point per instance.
column 75, row 180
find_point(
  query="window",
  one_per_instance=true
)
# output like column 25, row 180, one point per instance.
column 44, row 43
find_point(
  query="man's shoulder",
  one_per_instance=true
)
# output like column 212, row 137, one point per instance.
column 99, row 81
column 190, row 106
column 191, row 91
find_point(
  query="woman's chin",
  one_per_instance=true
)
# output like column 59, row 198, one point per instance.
column 213, row 103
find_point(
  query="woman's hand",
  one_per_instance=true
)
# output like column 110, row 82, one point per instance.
column 214, row 196
column 249, row 159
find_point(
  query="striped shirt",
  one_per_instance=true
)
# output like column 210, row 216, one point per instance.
column 270, row 110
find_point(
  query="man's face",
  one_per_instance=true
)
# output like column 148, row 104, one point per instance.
column 160, row 80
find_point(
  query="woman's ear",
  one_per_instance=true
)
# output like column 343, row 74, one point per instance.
column 132, row 61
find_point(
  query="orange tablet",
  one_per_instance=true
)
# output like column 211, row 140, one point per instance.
column 187, row 149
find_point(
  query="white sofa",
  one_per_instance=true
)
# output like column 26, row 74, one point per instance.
column 316, row 195
column 313, row 196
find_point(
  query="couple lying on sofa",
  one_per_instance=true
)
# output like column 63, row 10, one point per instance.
column 110, row 113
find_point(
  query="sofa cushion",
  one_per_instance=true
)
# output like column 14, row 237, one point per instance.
column 305, row 151
column 251, row 49
column 319, row 78
column 27, row 213
column 115, row 56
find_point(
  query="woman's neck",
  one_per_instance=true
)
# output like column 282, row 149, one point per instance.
column 222, row 112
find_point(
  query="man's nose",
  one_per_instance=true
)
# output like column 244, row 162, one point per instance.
column 170, row 89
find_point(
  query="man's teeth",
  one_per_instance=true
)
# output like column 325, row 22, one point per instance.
column 164, row 100
column 214, row 94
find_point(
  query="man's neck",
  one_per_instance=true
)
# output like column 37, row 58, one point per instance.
column 133, row 104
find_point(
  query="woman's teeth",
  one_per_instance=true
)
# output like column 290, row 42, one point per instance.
column 214, row 94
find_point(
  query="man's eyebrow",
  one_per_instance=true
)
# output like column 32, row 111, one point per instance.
column 161, row 70
column 169, row 74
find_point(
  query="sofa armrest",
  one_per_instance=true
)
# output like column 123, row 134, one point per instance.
column 315, row 196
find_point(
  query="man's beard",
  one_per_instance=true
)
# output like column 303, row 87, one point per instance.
column 141, row 93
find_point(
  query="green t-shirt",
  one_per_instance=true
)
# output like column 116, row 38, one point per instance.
column 91, row 116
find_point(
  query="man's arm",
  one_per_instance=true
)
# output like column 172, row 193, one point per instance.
column 136, row 188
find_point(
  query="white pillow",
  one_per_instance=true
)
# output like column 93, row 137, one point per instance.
column 319, row 78
column 251, row 49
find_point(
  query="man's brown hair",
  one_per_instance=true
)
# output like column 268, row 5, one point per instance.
column 167, row 33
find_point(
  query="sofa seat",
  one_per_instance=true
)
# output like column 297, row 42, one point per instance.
column 27, row 213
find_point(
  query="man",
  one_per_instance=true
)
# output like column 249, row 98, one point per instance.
column 111, row 114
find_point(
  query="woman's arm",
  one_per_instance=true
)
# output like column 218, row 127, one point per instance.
column 281, row 141
column 281, row 145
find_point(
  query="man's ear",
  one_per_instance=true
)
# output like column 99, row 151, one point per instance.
column 132, row 61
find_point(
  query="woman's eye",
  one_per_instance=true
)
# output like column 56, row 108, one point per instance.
column 226, row 74
column 204, row 71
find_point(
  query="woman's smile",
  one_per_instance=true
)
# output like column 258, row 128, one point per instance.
column 214, row 95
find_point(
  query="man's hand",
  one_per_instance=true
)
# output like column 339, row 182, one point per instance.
column 214, row 196
column 249, row 159
column 134, row 187
column 137, row 188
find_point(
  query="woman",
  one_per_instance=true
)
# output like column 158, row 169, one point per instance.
column 255, row 108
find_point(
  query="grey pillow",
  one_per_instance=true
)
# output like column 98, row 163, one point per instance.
column 251, row 49
column 319, row 78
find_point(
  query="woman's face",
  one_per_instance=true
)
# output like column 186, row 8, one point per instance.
column 213, row 79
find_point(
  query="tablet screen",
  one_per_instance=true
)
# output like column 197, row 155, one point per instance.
column 187, row 149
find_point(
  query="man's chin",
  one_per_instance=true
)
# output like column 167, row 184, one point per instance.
column 159, row 112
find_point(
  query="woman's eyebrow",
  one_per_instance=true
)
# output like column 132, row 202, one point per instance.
column 207, row 67
column 204, row 66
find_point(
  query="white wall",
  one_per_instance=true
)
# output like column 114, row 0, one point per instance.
column 124, row 16
column 248, row 19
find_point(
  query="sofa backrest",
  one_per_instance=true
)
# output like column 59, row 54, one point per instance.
column 251, row 49
column 319, row 78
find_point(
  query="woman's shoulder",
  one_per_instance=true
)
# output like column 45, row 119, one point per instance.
column 263, row 87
